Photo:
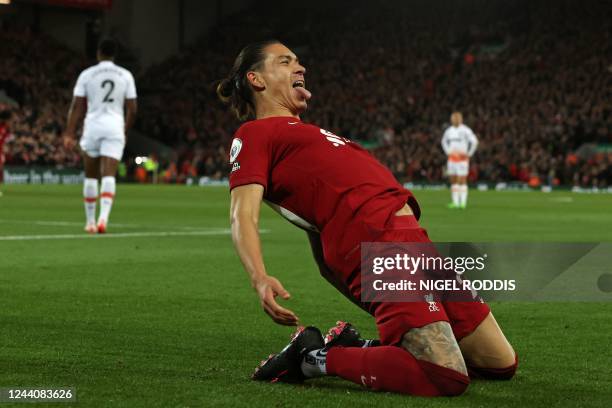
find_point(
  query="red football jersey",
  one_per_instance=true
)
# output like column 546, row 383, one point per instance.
column 318, row 181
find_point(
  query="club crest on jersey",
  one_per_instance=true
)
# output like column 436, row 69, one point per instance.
column 235, row 149
column 433, row 307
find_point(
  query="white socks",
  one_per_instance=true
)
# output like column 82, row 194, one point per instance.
column 314, row 363
column 463, row 193
column 107, row 194
column 90, row 196
column 455, row 194
column 459, row 193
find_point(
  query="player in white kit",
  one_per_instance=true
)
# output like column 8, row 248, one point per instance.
column 459, row 144
column 103, row 90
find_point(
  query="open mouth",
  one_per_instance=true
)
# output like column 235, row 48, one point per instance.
column 300, row 88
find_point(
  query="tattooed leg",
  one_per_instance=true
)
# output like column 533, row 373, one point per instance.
column 436, row 344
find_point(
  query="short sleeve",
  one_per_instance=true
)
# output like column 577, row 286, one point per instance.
column 79, row 88
column 131, row 88
column 249, row 157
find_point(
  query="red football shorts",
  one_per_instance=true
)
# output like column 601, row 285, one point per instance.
column 394, row 319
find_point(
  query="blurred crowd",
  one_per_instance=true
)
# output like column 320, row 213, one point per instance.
column 533, row 82
column 36, row 74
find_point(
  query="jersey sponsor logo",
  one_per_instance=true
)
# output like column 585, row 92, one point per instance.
column 235, row 149
column 334, row 139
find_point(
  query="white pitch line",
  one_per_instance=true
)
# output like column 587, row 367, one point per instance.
column 84, row 235
column 114, row 235
column 80, row 224
column 61, row 223
column 562, row 199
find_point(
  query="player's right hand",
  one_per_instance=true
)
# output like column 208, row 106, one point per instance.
column 69, row 141
column 268, row 288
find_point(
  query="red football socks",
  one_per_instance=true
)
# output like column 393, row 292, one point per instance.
column 390, row 368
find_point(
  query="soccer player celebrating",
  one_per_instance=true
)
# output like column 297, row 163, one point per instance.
column 103, row 90
column 459, row 144
column 342, row 196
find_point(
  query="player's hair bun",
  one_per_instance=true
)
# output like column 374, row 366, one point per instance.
column 225, row 89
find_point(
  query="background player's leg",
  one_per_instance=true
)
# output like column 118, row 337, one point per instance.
column 487, row 352
column 462, row 190
column 454, row 191
column 90, row 191
column 108, row 168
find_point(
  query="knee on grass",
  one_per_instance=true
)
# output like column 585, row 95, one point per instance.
column 495, row 373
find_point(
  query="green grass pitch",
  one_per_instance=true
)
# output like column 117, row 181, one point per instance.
column 159, row 313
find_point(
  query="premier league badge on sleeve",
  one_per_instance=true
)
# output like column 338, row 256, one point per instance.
column 235, row 149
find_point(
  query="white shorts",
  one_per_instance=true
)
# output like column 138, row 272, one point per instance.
column 458, row 168
column 96, row 145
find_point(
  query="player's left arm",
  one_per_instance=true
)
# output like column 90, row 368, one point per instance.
column 326, row 272
column 131, row 108
column 75, row 115
column 473, row 142
column 445, row 143
column 317, row 251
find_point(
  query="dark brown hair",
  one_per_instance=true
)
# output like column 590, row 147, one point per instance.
column 108, row 47
column 235, row 90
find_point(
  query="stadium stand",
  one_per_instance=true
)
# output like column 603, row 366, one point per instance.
column 534, row 83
